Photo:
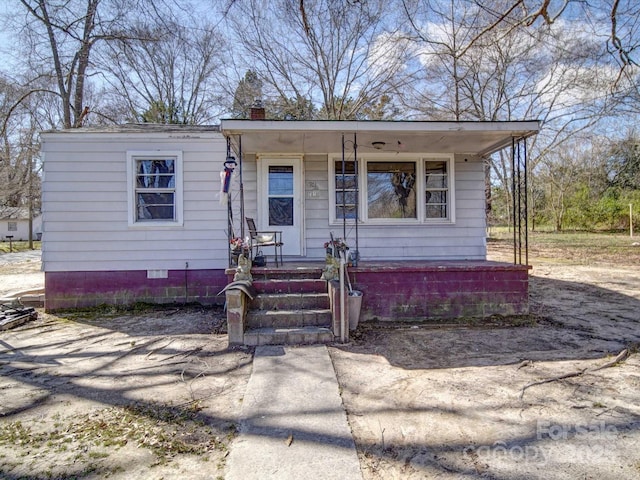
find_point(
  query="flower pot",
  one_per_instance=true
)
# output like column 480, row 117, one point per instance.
column 354, row 302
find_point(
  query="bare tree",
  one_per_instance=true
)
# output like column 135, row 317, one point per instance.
column 484, row 63
column 168, row 73
column 60, row 37
column 19, row 148
column 339, row 55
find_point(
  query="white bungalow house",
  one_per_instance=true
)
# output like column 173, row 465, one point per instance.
column 14, row 224
column 134, row 212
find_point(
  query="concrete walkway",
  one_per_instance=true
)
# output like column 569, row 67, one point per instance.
column 293, row 424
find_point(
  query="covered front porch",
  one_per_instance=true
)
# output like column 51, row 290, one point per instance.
column 407, row 198
column 389, row 190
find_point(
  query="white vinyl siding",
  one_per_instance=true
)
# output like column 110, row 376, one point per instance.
column 443, row 240
column 316, row 206
column 87, row 209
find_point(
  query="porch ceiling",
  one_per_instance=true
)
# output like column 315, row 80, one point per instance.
column 472, row 138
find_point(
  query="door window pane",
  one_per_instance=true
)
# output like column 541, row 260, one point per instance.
column 280, row 211
column 281, row 195
column 281, row 180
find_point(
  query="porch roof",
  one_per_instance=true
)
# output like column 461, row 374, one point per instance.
column 325, row 136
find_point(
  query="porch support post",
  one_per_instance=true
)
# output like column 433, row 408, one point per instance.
column 357, row 190
column 513, row 199
column 229, row 211
column 526, row 204
column 519, row 184
column 357, row 173
column 241, row 188
column 344, row 216
column 519, row 196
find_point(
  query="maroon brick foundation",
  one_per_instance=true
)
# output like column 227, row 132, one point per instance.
column 66, row 290
column 441, row 290
column 391, row 290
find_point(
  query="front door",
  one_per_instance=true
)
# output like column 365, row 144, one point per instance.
column 280, row 200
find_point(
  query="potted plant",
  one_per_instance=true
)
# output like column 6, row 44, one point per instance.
column 238, row 247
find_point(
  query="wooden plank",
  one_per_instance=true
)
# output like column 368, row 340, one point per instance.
column 11, row 317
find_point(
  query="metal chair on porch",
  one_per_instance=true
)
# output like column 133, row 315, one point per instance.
column 264, row 239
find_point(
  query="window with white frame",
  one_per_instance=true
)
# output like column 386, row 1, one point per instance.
column 12, row 226
column 392, row 190
column 155, row 185
column 437, row 187
column 345, row 189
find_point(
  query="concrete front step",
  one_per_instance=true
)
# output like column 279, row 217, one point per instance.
column 295, row 285
column 288, row 336
column 288, row 318
column 290, row 301
column 287, row 272
column 292, row 307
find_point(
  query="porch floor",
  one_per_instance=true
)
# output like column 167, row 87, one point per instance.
column 293, row 266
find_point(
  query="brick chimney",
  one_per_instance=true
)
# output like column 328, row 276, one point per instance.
column 257, row 111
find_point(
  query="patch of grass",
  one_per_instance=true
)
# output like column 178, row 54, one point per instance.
column 18, row 246
column 498, row 321
column 107, row 311
column 577, row 247
column 98, row 455
column 164, row 430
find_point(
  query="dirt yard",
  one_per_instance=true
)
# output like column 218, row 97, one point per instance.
column 530, row 401
column 157, row 393
column 149, row 395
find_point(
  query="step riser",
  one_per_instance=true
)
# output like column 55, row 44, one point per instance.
column 280, row 274
column 290, row 286
column 287, row 338
column 302, row 318
column 290, row 301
